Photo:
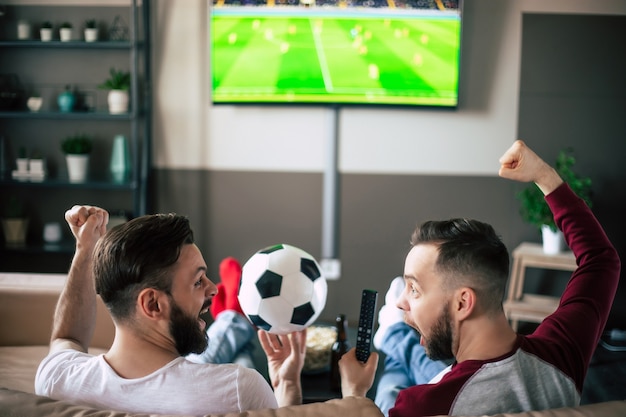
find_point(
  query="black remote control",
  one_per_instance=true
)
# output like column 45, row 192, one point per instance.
column 365, row 331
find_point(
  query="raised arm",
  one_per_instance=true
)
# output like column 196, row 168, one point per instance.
column 520, row 163
column 578, row 322
column 285, row 359
column 75, row 314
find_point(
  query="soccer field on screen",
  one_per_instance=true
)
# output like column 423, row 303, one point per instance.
column 340, row 57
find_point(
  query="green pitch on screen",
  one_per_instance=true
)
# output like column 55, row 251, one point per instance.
column 335, row 59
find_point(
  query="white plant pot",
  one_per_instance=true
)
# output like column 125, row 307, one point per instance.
column 37, row 167
column 52, row 232
column 91, row 34
column 22, row 165
column 118, row 101
column 23, row 30
column 553, row 242
column 77, row 167
column 65, row 34
column 15, row 231
column 34, row 103
column 46, row 35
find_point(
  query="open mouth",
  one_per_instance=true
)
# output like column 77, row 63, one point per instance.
column 204, row 310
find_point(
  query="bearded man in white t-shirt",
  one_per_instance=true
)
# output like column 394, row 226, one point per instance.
column 152, row 278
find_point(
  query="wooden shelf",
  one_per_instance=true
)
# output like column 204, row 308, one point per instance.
column 520, row 306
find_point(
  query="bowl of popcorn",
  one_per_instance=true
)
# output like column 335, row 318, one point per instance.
column 319, row 341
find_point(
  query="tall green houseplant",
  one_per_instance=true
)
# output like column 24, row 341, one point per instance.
column 535, row 210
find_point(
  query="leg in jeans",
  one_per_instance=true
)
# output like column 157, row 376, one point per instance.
column 393, row 379
column 406, row 364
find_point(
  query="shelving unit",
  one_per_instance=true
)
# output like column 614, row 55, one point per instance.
column 521, row 305
column 47, row 67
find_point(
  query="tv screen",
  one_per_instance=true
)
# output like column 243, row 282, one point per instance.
column 381, row 52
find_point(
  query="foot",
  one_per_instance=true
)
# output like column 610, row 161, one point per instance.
column 228, row 288
column 389, row 314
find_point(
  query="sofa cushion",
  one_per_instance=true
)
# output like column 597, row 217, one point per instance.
column 606, row 409
column 27, row 304
column 18, row 365
column 17, row 403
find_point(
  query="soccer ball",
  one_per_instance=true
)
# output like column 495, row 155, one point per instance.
column 282, row 289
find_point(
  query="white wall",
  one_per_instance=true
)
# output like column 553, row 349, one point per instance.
column 190, row 133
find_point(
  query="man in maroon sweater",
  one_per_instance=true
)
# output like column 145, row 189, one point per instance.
column 455, row 276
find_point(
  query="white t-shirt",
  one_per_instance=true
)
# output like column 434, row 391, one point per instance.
column 180, row 387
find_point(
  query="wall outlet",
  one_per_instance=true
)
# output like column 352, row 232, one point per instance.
column 331, row 268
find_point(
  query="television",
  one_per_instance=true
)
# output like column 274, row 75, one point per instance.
column 336, row 52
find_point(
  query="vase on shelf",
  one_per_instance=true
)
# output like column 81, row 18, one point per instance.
column 66, row 100
column 23, row 30
column 120, row 160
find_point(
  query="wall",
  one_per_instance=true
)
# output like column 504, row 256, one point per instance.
column 573, row 94
column 251, row 176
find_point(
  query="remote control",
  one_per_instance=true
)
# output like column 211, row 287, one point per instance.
column 365, row 330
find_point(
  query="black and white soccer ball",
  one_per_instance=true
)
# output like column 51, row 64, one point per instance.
column 282, row 289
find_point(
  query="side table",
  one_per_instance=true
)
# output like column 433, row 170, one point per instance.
column 521, row 306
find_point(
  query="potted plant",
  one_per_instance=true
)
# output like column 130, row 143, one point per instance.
column 36, row 166
column 22, row 161
column 91, row 30
column 14, row 222
column 118, row 83
column 65, row 32
column 77, row 149
column 45, row 32
column 535, row 210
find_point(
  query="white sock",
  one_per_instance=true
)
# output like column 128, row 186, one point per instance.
column 389, row 314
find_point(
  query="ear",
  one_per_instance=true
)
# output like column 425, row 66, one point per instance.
column 464, row 302
column 152, row 303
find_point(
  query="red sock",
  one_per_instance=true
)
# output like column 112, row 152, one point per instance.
column 218, row 303
column 230, row 276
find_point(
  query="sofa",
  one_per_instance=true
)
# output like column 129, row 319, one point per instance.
column 27, row 305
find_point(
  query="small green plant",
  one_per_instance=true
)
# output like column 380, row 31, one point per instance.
column 79, row 144
column 66, row 25
column 46, row 25
column 118, row 80
column 534, row 208
column 90, row 23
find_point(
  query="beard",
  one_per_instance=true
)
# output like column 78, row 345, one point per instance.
column 439, row 345
column 188, row 337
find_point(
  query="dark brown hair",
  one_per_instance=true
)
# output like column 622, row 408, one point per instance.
column 136, row 255
column 471, row 254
